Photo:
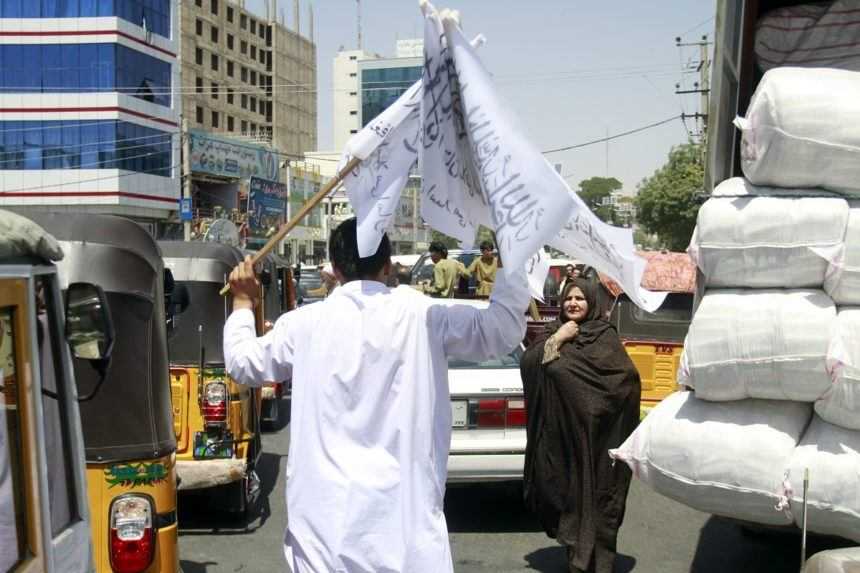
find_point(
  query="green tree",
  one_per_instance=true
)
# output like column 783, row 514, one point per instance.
column 449, row 242
column 594, row 190
column 666, row 202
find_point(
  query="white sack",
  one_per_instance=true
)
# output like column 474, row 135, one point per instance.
column 819, row 34
column 831, row 454
column 723, row 458
column 798, row 131
column 843, row 278
column 845, row 560
column 769, row 344
column 767, row 242
column 840, row 405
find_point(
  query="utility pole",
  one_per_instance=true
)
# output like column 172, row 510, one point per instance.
column 701, row 87
column 186, row 175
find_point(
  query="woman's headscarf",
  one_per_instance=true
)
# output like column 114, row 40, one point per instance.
column 594, row 322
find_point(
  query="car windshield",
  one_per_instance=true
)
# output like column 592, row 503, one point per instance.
column 510, row 360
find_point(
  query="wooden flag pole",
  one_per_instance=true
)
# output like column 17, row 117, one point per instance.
column 297, row 218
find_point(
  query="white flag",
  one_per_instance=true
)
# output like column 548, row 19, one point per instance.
column 451, row 198
column 537, row 269
column 525, row 204
column 388, row 149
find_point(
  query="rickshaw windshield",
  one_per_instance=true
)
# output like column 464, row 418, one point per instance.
column 208, row 309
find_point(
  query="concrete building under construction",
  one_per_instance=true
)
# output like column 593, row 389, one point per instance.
column 248, row 76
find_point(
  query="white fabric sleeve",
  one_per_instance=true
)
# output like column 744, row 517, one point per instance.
column 481, row 333
column 253, row 360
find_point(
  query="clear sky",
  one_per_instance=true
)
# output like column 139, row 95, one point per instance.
column 571, row 70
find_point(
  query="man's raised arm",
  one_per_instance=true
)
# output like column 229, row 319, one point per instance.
column 482, row 333
column 248, row 359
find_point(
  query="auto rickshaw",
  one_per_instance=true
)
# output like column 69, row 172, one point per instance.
column 216, row 421
column 44, row 518
column 128, row 426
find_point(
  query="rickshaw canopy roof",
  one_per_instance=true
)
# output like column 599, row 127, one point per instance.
column 200, row 261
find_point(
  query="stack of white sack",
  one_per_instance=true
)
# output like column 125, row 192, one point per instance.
column 798, row 133
column 840, row 405
column 728, row 459
column 832, row 456
column 744, row 238
column 843, row 277
column 768, row 344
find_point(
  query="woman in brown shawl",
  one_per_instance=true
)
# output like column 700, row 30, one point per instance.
column 582, row 395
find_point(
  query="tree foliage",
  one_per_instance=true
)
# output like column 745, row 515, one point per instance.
column 594, row 189
column 666, row 202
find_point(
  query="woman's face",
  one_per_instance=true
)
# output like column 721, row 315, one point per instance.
column 574, row 305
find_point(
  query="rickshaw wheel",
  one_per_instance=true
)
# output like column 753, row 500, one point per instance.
column 244, row 495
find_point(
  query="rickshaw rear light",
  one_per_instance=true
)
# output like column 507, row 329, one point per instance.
column 132, row 538
column 214, row 406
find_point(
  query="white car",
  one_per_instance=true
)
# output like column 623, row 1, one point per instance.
column 488, row 438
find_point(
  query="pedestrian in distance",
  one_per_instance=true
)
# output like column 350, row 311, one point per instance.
column 446, row 273
column 582, row 398
column 484, row 270
column 570, row 272
column 371, row 413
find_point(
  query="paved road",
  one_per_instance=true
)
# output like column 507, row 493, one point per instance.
column 491, row 533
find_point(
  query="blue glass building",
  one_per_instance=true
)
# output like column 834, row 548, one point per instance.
column 383, row 81
column 88, row 115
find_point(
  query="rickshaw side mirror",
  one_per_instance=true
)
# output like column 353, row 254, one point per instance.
column 89, row 327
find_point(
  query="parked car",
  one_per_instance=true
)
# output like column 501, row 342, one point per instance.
column 422, row 271
column 488, row 416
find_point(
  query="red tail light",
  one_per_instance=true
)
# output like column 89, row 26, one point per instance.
column 132, row 538
column 501, row 413
column 214, row 403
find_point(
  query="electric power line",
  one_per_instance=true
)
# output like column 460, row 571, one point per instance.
column 611, row 137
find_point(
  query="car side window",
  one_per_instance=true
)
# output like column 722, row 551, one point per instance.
column 55, row 422
column 13, row 514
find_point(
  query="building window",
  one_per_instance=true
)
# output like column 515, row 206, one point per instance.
column 244, row 74
column 230, row 95
column 243, row 46
column 353, row 57
column 229, row 41
column 253, row 26
column 214, row 90
column 254, row 104
column 199, row 115
column 244, row 101
column 198, row 85
column 214, row 34
column 230, row 123
column 353, row 131
column 253, row 78
column 154, row 13
column 198, row 56
column 352, row 75
column 353, row 93
column 253, row 127
column 353, row 112
column 395, row 80
column 230, row 14
column 230, row 68
column 262, row 57
column 244, row 126
column 253, row 52
column 215, row 119
column 262, row 32
column 214, row 62
column 215, row 7
column 199, row 3
column 198, row 26
column 243, row 21
column 52, row 68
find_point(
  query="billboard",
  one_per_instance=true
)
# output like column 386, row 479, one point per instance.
column 267, row 206
column 225, row 158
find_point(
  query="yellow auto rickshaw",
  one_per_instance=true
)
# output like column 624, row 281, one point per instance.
column 216, row 421
column 44, row 517
column 127, row 421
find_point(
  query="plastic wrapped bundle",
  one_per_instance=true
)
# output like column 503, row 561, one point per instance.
column 723, row 458
column 834, row 561
column 843, row 278
column 840, row 405
column 767, row 242
column 769, row 344
column 832, row 455
column 795, row 133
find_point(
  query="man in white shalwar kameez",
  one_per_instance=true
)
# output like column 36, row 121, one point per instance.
column 371, row 417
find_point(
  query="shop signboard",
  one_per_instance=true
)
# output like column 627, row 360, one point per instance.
column 267, row 206
column 224, row 158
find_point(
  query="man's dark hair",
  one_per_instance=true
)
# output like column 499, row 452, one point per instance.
column 486, row 245
column 343, row 249
column 438, row 247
